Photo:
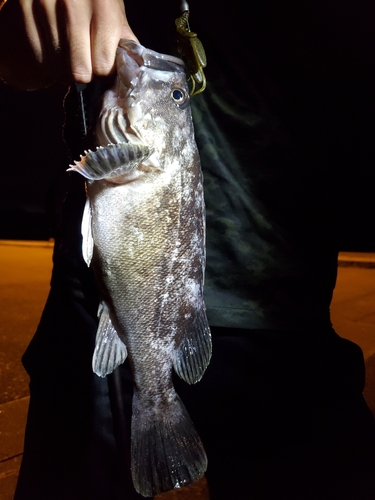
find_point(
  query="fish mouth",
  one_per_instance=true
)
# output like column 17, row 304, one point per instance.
column 121, row 109
column 143, row 57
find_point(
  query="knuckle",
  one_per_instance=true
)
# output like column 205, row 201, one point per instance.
column 81, row 75
column 81, row 78
column 102, row 67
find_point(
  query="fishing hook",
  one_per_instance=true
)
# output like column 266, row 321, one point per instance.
column 191, row 50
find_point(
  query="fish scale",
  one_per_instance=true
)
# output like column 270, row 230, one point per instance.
column 143, row 234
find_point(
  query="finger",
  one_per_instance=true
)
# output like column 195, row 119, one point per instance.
column 47, row 10
column 50, row 22
column 126, row 31
column 20, row 64
column 32, row 31
column 78, row 15
column 109, row 24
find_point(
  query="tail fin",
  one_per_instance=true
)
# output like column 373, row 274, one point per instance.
column 166, row 450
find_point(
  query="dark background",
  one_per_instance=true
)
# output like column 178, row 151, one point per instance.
column 34, row 157
column 33, row 162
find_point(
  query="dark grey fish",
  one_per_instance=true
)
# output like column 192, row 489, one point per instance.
column 143, row 232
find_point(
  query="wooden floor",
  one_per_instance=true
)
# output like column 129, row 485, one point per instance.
column 196, row 491
column 24, row 284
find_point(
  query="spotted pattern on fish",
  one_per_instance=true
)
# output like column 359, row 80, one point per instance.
column 147, row 226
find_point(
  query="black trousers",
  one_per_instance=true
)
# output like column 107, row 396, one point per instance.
column 281, row 415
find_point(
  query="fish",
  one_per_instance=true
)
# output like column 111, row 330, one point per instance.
column 143, row 233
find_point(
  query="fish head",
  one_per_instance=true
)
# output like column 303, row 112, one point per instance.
column 149, row 103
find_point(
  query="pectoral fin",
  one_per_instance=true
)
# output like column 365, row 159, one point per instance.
column 87, row 239
column 110, row 351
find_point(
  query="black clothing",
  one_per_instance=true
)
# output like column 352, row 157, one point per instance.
column 287, row 109
column 279, row 413
column 280, row 409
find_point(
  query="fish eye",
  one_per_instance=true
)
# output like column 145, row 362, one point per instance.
column 178, row 96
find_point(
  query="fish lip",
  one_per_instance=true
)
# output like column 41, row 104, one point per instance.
column 149, row 58
column 132, row 58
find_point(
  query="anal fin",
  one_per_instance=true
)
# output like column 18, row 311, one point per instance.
column 194, row 352
column 110, row 351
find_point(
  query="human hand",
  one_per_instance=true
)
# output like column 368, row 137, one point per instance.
column 42, row 41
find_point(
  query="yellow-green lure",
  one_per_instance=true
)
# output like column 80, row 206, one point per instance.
column 191, row 50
